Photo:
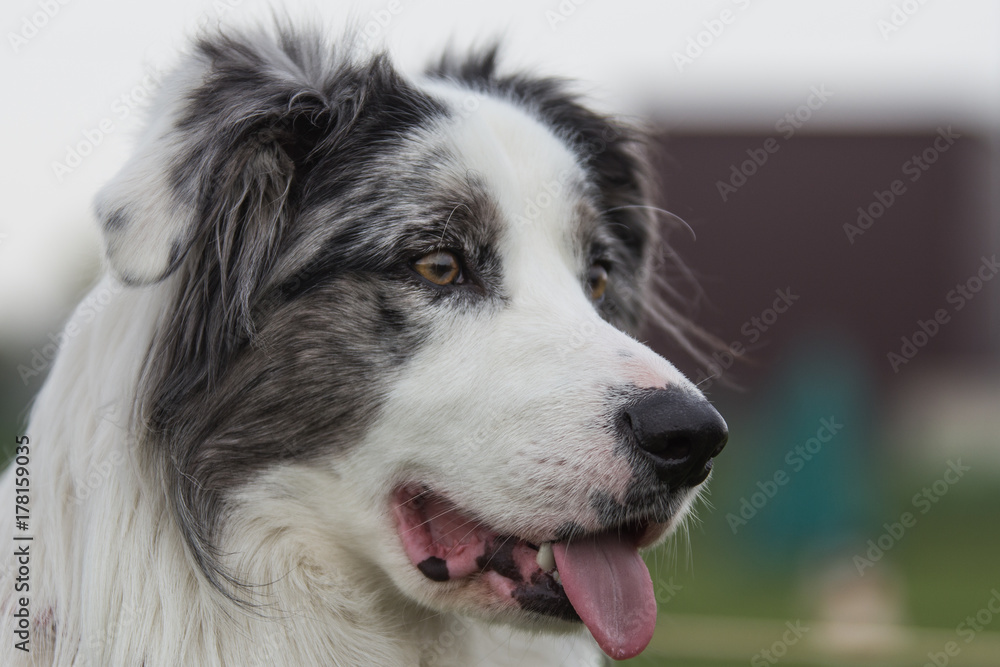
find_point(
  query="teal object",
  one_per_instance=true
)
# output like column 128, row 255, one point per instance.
column 817, row 424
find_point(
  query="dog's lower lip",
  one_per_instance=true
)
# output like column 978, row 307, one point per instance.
column 447, row 545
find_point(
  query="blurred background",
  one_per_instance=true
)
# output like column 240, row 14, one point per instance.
column 838, row 169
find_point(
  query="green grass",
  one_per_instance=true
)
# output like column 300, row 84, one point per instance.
column 945, row 566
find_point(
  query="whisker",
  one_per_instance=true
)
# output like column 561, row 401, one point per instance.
column 669, row 214
column 448, row 221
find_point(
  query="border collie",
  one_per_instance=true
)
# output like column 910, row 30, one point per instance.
column 363, row 388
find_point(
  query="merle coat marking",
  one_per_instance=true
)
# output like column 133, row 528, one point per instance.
column 275, row 370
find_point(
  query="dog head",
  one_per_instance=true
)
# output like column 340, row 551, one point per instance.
column 396, row 328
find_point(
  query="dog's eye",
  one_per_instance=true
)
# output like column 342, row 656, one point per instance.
column 597, row 281
column 440, row 267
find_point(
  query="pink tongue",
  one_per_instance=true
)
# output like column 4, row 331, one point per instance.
column 609, row 586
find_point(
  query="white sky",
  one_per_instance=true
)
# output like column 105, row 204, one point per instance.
column 941, row 66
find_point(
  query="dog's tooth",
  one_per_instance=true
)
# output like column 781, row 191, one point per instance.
column 545, row 559
column 555, row 575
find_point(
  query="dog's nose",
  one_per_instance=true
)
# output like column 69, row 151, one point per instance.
column 679, row 433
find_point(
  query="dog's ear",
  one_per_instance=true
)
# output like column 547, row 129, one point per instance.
column 143, row 219
column 228, row 132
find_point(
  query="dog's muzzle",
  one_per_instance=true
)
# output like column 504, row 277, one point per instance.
column 678, row 433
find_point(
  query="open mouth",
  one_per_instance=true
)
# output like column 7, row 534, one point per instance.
column 599, row 578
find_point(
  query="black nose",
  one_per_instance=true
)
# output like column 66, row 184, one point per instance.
column 679, row 433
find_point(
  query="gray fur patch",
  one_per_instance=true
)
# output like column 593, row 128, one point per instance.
column 116, row 220
column 316, row 181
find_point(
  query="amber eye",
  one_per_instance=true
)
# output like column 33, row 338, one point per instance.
column 597, row 281
column 440, row 267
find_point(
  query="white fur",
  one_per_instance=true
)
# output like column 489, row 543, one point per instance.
column 141, row 253
column 105, row 546
column 499, row 411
